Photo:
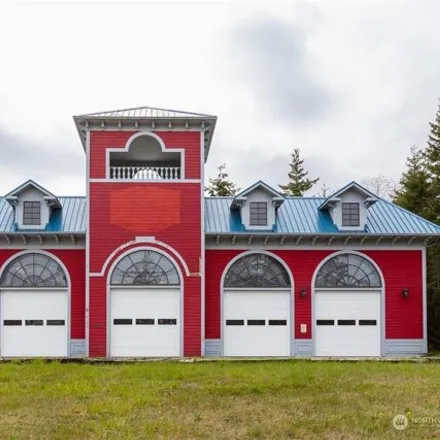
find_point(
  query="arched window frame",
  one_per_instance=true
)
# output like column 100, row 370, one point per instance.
column 167, row 273
column 34, row 270
column 274, row 276
column 348, row 270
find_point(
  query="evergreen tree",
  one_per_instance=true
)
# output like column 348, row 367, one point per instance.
column 432, row 156
column 299, row 183
column 413, row 191
column 221, row 186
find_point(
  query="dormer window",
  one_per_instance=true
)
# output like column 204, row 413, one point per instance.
column 258, row 214
column 257, row 207
column 350, row 214
column 348, row 207
column 31, row 213
column 33, row 206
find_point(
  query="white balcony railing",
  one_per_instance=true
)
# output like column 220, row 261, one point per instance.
column 145, row 173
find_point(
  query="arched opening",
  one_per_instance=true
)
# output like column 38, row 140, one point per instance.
column 145, row 305
column 348, row 306
column 257, row 307
column 145, row 158
column 347, row 271
column 34, row 307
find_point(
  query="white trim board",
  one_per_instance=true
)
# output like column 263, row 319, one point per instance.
column 176, row 181
column 140, row 243
column 52, row 246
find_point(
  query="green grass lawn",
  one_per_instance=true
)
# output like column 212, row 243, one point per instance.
column 218, row 400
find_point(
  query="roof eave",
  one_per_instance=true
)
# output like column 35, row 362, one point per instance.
column 81, row 120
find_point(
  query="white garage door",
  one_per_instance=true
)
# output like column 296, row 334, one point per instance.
column 145, row 322
column 33, row 323
column 347, row 323
column 256, row 323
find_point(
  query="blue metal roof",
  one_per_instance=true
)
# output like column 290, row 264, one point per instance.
column 300, row 215
column 70, row 218
column 297, row 215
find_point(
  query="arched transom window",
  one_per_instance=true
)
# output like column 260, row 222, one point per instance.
column 33, row 270
column 348, row 270
column 145, row 268
column 257, row 270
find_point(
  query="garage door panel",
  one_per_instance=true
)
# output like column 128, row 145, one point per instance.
column 257, row 323
column 347, row 304
column 145, row 322
column 347, row 323
column 43, row 329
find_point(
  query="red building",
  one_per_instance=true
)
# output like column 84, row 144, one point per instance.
column 146, row 265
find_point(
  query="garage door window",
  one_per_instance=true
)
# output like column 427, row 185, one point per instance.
column 122, row 321
column 34, row 322
column 348, row 271
column 145, row 268
column 325, row 322
column 277, row 322
column 346, row 322
column 12, row 322
column 33, row 270
column 257, row 270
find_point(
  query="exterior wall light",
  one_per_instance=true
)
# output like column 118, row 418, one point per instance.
column 405, row 293
column 303, row 293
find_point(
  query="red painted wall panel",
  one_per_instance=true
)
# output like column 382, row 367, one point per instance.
column 404, row 317
column 188, row 140
column 170, row 212
column 401, row 269
column 74, row 260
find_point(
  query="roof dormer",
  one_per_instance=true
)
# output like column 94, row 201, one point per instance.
column 257, row 205
column 32, row 205
column 348, row 207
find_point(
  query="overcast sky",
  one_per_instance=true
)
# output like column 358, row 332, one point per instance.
column 353, row 84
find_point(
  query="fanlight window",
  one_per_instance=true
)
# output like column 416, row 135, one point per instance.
column 33, row 270
column 145, row 268
column 257, row 270
column 348, row 270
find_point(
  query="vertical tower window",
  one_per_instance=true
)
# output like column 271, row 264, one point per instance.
column 350, row 214
column 32, row 213
column 258, row 214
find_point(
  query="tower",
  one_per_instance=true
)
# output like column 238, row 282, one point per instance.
column 145, row 235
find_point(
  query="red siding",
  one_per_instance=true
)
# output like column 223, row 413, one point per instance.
column 169, row 212
column 188, row 140
column 404, row 317
column 401, row 269
column 74, row 260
